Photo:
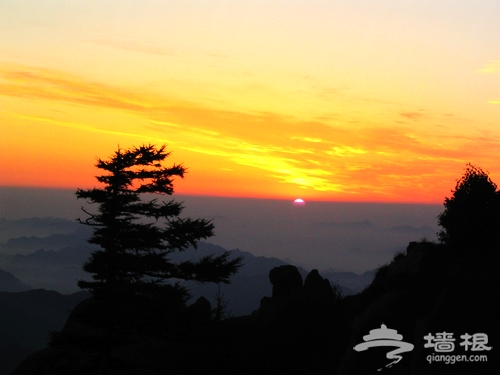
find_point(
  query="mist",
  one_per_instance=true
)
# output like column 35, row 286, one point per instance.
column 324, row 235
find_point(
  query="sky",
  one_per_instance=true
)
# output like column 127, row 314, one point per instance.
column 359, row 101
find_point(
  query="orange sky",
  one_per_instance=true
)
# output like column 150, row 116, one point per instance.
column 358, row 101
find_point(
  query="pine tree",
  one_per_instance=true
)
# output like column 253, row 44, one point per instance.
column 471, row 219
column 136, row 236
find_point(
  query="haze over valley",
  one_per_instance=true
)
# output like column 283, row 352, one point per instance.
column 355, row 237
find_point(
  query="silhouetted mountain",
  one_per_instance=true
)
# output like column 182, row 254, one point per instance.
column 251, row 283
column 301, row 328
column 247, row 287
column 10, row 283
column 26, row 245
column 65, row 256
column 289, row 334
column 48, row 269
column 57, row 266
column 427, row 290
column 60, row 267
column 26, row 318
column 35, row 227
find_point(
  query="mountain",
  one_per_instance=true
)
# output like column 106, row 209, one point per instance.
column 35, row 227
column 49, row 269
column 246, row 288
column 55, row 263
column 424, row 294
column 184, row 340
column 251, row 283
column 25, row 245
column 10, row 283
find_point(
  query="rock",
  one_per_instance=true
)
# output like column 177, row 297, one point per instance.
column 291, row 299
column 286, row 281
column 318, row 290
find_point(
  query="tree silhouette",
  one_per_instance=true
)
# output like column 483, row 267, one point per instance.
column 471, row 219
column 136, row 237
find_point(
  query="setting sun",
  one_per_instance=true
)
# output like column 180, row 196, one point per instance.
column 299, row 202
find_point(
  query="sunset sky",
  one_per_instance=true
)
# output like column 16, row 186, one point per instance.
column 355, row 100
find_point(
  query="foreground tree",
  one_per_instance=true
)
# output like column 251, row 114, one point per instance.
column 136, row 237
column 471, row 219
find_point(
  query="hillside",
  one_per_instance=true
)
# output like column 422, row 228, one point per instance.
column 428, row 290
column 303, row 329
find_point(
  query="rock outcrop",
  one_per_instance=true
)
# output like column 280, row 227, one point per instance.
column 317, row 291
column 293, row 299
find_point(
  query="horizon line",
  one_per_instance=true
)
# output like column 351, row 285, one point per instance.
column 256, row 197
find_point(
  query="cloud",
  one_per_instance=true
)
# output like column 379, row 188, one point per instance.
column 56, row 86
column 308, row 139
column 412, row 115
column 351, row 160
column 346, row 151
column 79, row 126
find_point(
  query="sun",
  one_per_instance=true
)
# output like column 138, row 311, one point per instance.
column 299, row 202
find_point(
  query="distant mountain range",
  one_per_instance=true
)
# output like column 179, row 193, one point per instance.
column 55, row 263
column 32, row 257
column 10, row 283
column 59, row 270
column 39, row 227
column 27, row 244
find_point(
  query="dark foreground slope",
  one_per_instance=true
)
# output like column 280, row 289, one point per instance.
column 429, row 290
column 291, row 333
column 26, row 318
column 303, row 328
